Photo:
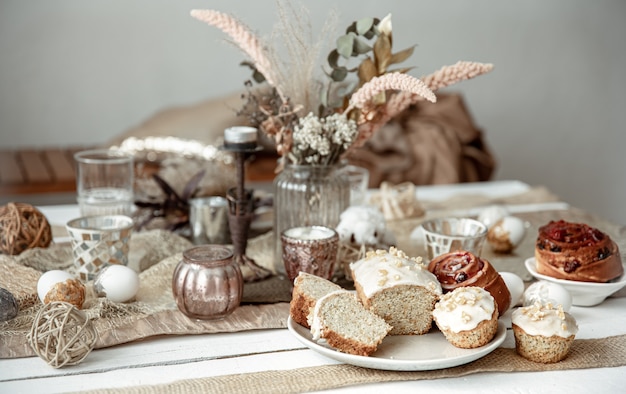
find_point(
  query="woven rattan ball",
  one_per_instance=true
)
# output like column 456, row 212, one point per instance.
column 22, row 227
column 62, row 334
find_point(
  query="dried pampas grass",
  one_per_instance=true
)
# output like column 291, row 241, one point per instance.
column 296, row 49
column 241, row 35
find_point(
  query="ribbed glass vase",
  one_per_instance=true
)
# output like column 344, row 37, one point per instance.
column 307, row 195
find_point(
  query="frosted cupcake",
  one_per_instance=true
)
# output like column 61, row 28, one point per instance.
column 467, row 316
column 543, row 333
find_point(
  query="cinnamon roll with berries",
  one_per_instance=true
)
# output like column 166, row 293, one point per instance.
column 576, row 251
column 462, row 269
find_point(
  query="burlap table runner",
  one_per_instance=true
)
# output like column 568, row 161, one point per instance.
column 155, row 313
column 585, row 353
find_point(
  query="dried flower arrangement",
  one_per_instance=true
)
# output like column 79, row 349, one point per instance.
column 316, row 122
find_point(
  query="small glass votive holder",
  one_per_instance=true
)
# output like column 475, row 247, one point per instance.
column 359, row 178
column 207, row 283
column 310, row 249
column 208, row 217
column 99, row 241
column 444, row 235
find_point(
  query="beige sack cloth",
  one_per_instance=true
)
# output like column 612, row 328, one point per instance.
column 428, row 144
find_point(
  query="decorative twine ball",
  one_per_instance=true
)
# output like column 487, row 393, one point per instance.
column 62, row 334
column 22, row 227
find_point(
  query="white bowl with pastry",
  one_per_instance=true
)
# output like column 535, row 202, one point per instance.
column 581, row 258
column 583, row 293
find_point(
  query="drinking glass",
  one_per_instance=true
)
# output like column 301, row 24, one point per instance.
column 358, row 177
column 104, row 182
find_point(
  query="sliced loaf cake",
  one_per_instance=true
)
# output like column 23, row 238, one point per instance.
column 346, row 325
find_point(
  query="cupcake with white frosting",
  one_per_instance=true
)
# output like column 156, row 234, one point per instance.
column 467, row 316
column 543, row 333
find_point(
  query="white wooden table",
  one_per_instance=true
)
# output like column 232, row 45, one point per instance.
column 167, row 359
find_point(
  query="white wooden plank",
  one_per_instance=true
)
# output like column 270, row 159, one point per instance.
column 157, row 374
column 158, row 351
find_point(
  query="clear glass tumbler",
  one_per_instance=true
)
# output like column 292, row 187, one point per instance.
column 104, row 182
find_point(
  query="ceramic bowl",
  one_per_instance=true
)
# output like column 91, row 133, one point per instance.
column 583, row 293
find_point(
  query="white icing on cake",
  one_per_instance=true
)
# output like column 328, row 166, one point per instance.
column 545, row 320
column 463, row 309
column 383, row 269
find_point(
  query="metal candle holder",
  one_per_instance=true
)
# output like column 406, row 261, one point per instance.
column 241, row 207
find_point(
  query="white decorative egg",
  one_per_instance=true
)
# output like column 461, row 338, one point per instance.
column 544, row 292
column 491, row 214
column 50, row 278
column 515, row 284
column 116, row 282
column 506, row 234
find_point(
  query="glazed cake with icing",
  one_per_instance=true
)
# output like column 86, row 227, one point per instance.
column 543, row 333
column 467, row 316
column 397, row 288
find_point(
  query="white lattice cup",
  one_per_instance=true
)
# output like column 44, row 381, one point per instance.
column 443, row 235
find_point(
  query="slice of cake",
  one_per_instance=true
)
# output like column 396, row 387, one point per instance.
column 346, row 325
column 467, row 317
column 307, row 289
column 543, row 333
column 397, row 288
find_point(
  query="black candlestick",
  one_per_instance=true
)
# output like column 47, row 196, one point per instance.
column 240, row 141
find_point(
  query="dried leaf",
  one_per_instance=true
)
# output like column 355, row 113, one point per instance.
column 401, row 56
column 360, row 47
column 351, row 28
column 373, row 31
column 364, row 25
column 403, row 70
column 382, row 53
column 367, row 70
column 333, row 59
column 192, row 186
column 167, row 189
column 345, row 44
column 339, row 74
column 379, row 99
column 256, row 75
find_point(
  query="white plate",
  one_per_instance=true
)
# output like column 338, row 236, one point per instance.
column 583, row 293
column 404, row 352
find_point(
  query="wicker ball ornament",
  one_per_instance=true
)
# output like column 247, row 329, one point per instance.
column 22, row 227
column 62, row 334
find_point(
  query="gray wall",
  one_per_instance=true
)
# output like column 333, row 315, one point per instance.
column 78, row 72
